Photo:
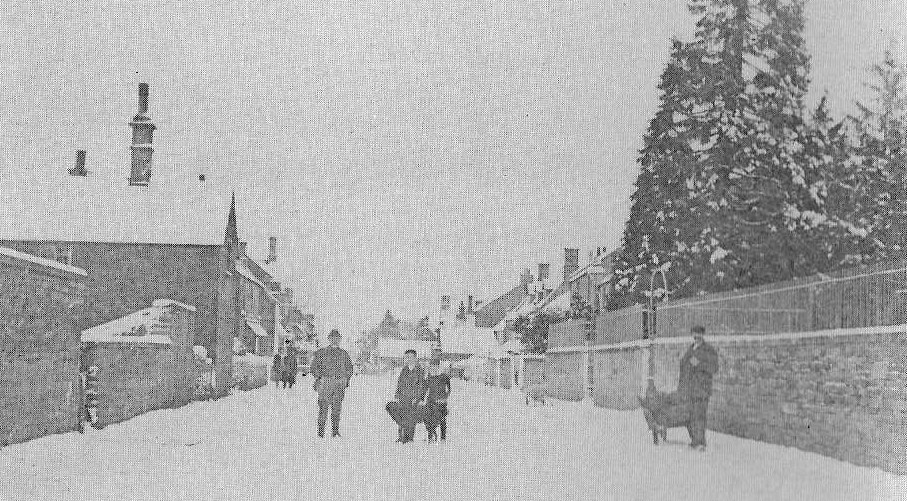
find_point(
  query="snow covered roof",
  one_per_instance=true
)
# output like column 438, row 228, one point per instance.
column 97, row 209
column 257, row 328
column 390, row 347
column 560, row 303
column 49, row 263
column 244, row 270
column 142, row 326
column 466, row 339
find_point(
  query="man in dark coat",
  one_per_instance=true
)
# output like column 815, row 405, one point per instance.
column 288, row 365
column 332, row 369
column 410, row 390
column 697, row 366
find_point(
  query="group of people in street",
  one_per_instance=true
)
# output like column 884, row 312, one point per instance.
column 413, row 386
column 285, row 366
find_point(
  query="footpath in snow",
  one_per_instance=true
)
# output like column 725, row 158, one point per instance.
column 261, row 445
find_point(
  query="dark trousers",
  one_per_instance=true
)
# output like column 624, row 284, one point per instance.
column 330, row 395
column 699, row 407
column 436, row 417
column 406, row 417
column 288, row 379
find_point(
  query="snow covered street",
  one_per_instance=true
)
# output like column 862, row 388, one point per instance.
column 261, row 445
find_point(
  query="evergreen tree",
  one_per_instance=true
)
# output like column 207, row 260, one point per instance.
column 882, row 153
column 726, row 194
column 660, row 207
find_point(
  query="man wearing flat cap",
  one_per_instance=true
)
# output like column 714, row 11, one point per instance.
column 697, row 366
column 332, row 369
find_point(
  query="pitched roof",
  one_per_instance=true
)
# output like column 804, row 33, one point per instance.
column 493, row 312
column 100, row 209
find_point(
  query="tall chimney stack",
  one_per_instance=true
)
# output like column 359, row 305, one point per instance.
column 272, row 250
column 445, row 303
column 142, row 139
column 526, row 278
column 79, row 169
column 469, row 307
column 571, row 263
column 544, row 271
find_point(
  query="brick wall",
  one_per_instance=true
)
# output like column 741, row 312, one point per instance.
column 842, row 396
column 39, row 350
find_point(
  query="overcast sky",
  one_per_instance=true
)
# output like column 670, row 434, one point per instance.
column 399, row 150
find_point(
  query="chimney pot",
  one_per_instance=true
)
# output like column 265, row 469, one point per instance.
column 143, row 98
column 272, row 250
column 544, row 271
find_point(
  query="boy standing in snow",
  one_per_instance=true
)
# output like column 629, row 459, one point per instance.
column 698, row 365
column 332, row 370
column 410, row 390
column 438, row 384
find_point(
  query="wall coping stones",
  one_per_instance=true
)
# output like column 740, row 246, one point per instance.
column 47, row 263
column 743, row 338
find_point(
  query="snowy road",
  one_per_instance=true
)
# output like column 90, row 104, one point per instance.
column 261, row 445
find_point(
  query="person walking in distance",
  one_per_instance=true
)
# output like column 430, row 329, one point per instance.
column 697, row 366
column 276, row 371
column 288, row 365
column 410, row 390
column 332, row 370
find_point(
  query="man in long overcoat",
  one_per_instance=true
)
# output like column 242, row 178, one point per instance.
column 332, row 370
column 697, row 366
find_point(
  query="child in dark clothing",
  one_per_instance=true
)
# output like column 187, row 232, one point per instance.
column 438, row 384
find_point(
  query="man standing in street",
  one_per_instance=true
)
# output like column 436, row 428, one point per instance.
column 697, row 366
column 332, row 369
column 410, row 390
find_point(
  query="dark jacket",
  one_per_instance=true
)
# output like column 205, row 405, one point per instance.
column 289, row 363
column 332, row 362
column 410, row 385
column 696, row 380
column 438, row 387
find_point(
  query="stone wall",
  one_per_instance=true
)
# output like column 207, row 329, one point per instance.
column 534, row 371
column 565, row 375
column 619, row 376
column 837, row 393
column 135, row 377
column 125, row 277
column 39, row 350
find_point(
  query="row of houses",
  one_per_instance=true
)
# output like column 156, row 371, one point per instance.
column 480, row 339
column 136, row 273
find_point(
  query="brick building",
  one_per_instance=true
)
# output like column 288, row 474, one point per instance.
column 138, row 239
column 39, row 346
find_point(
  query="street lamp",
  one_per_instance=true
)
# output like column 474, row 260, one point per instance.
column 664, row 280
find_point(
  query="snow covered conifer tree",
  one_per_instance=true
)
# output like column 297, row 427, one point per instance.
column 735, row 146
column 660, row 206
column 882, row 153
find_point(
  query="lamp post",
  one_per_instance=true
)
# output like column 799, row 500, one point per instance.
column 650, row 380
